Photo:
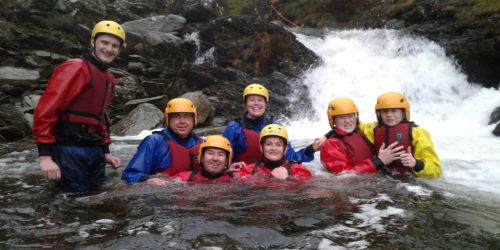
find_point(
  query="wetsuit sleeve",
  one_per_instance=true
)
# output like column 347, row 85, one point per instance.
column 64, row 85
column 335, row 159
column 184, row 175
column 367, row 129
column 152, row 154
column 234, row 134
column 428, row 163
column 300, row 173
column 303, row 155
column 244, row 171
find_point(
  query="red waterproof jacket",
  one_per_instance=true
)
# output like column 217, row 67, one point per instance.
column 197, row 176
column 64, row 89
column 336, row 157
column 296, row 172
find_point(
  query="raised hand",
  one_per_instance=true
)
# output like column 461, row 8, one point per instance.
column 407, row 159
column 391, row 153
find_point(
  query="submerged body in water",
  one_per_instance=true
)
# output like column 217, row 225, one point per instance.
column 348, row 210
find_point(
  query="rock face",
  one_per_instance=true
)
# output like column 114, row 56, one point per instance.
column 144, row 117
column 173, row 48
column 256, row 47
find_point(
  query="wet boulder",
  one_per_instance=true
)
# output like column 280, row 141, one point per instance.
column 495, row 118
column 157, row 38
column 204, row 108
column 496, row 131
column 158, row 101
column 255, row 47
column 13, row 125
column 144, row 117
column 197, row 11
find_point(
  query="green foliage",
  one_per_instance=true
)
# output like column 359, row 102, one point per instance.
column 235, row 6
column 472, row 9
column 321, row 13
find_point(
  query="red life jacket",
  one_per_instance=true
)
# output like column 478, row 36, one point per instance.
column 401, row 133
column 90, row 106
column 182, row 158
column 196, row 176
column 253, row 147
column 287, row 165
column 356, row 144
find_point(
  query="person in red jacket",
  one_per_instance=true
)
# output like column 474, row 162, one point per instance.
column 215, row 155
column 69, row 125
column 347, row 148
column 273, row 141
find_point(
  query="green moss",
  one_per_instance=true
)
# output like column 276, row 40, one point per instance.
column 235, row 6
column 482, row 8
column 6, row 38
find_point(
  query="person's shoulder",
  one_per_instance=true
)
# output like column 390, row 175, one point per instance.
column 419, row 130
column 155, row 136
column 234, row 124
column 369, row 125
column 184, row 175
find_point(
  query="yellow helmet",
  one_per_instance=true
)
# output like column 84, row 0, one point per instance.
column 274, row 130
column 393, row 100
column 341, row 106
column 180, row 105
column 255, row 89
column 216, row 141
column 109, row 27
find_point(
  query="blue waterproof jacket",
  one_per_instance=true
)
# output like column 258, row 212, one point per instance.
column 153, row 153
column 234, row 133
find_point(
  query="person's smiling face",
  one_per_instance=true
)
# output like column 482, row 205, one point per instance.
column 106, row 48
column 255, row 105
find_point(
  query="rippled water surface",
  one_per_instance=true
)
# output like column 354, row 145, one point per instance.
column 349, row 211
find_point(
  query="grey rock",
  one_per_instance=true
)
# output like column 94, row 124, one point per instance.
column 13, row 73
column 158, row 101
column 203, row 106
column 144, row 117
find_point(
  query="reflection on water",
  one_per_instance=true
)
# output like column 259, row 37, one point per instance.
column 347, row 211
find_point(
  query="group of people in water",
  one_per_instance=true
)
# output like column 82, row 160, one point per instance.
column 254, row 145
column 72, row 134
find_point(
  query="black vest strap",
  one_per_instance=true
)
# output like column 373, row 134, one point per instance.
column 193, row 173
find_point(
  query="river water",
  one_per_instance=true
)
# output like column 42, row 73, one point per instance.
column 459, row 211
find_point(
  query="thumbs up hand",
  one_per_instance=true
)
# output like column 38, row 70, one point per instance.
column 407, row 158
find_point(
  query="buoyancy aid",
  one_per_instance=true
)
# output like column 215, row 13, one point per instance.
column 356, row 144
column 201, row 176
column 252, row 151
column 83, row 121
column 287, row 165
column 182, row 158
column 253, row 147
column 402, row 133
column 90, row 106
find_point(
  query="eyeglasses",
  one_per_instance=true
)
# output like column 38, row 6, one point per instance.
column 181, row 116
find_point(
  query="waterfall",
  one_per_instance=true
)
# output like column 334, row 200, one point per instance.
column 362, row 64
column 200, row 58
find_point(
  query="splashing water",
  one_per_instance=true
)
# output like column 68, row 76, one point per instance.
column 362, row 64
